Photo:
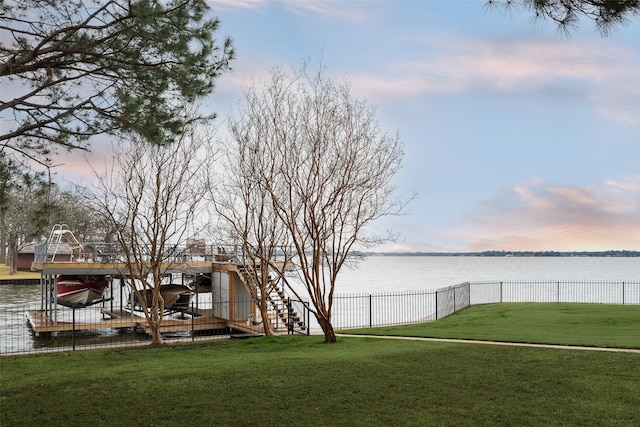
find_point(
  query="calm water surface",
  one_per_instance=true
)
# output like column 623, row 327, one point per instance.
column 402, row 273
column 389, row 273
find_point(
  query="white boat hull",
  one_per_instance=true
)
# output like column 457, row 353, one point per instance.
column 80, row 296
column 80, row 290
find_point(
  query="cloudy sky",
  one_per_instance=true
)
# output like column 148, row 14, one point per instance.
column 516, row 138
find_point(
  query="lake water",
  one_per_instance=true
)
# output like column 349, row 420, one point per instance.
column 400, row 273
column 378, row 274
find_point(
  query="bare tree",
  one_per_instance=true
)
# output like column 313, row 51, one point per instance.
column 566, row 14
column 151, row 199
column 322, row 158
column 68, row 207
column 244, row 207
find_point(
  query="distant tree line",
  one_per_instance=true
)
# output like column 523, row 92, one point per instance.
column 611, row 253
column 30, row 203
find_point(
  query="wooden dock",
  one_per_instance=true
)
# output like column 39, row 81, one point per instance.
column 118, row 319
column 40, row 322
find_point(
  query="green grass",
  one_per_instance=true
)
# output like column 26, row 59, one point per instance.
column 600, row 325
column 300, row 381
column 4, row 274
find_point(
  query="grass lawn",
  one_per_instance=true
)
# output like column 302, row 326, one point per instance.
column 4, row 274
column 300, row 381
column 601, row 325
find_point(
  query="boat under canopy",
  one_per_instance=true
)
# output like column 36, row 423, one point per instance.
column 176, row 297
column 80, row 291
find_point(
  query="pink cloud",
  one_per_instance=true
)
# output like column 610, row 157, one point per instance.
column 605, row 76
column 335, row 9
column 539, row 216
column 236, row 4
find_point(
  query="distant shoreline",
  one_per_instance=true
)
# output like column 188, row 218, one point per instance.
column 602, row 254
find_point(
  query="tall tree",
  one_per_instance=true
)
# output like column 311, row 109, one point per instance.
column 606, row 14
column 30, row 203
column 150, row 200
column 8, row 173
column 326, row 165
column 24, row 208
column 77, row 68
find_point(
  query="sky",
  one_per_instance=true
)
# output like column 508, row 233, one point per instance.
column 516, row 137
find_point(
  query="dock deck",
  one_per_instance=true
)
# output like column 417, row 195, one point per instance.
column 40, row 322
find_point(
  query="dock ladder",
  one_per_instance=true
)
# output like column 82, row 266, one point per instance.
column 60, row 234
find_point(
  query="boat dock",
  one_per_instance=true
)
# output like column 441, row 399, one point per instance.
column 228, row 305
column 41, row 323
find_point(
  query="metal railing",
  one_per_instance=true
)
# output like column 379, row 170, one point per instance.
column 102, row 252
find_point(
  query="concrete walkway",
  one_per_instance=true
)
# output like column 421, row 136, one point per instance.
column 512, row 344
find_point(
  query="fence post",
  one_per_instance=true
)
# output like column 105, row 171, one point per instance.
column 501, row 290
column 436, row 304
column 455, row 308
column 193, row 329
column 290, row 324
column 370, row 311
column 73, row 331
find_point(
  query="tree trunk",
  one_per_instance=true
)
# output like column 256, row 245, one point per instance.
column 262, row 284
column 266, row 323
column 154, row 325
column 327, row 329
column 157, row 307
column 156, row 336
column 3, row 244
column 13, row 258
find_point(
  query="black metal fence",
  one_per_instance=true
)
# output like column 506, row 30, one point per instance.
column 24, row 329
column 396, row 308
column 28, row 329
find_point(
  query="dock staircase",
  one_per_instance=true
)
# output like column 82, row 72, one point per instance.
column 286, row 318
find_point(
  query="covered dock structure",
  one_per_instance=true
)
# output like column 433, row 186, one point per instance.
column 226, row 305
